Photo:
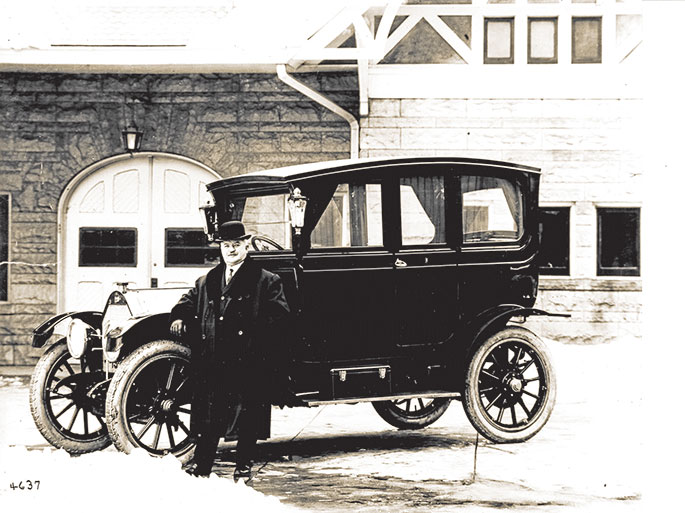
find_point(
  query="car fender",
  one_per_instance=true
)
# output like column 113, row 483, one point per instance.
column 495, row 318
column 43, row 332
column 136, row 331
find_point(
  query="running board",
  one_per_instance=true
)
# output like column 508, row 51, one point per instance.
column 428, row 395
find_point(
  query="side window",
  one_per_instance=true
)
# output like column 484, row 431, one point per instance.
column 554, row 251
column 618, row 241
column 422, row 210
column 268, row 216
column 115, row 247
column 492, row 210
column 4, row 244
column 188, row 247
column 352, row 218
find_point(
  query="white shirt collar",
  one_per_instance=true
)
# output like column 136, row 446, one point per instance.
column 234, row 268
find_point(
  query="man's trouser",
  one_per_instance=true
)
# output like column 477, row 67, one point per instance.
column 207, row 442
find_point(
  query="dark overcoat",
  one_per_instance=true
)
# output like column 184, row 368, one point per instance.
column 238, row 335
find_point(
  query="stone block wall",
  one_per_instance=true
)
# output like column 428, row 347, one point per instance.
column 52, row 126
column 589, row 154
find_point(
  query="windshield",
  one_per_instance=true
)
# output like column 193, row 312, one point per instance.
column 264, row 216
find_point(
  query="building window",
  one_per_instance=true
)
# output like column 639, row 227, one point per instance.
column 352, row 218
column 492, row 210
column 554, row 256
column 499, row 41
column 107, row 247
column 618, row 241
column 184, row 247
column 542, row 40
column 586, row 45
column 422, row 210
column 4, row 244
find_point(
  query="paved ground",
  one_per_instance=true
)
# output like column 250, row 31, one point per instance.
column 590, row 456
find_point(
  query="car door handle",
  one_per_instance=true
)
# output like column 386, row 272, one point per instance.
column 400, row 263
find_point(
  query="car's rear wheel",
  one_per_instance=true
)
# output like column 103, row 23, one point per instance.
column 510, row 386
column 412, row 412
column 67, row 401
column 148, row 401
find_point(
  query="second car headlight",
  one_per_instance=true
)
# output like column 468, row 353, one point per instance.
column 77, row 337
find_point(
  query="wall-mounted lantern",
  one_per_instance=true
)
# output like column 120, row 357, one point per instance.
column 132, row 138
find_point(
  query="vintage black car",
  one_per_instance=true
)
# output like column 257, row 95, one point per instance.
column 410, row 279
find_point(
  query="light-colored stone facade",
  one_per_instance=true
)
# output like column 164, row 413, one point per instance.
column 589, row 154
column 52, row 126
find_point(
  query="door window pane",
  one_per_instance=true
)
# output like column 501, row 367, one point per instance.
column 352, row 218
column 554, row 251
column 542, row 40
column 492, row 209
column 267, row 216
column 188, row 247
column 587, row 40
column 107, row 247
column 422, row 204
column 618, row 241
column 4, row 244
column 499, row 41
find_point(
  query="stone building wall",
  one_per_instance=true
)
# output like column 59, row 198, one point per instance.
column 52, row 126
column 589, row 154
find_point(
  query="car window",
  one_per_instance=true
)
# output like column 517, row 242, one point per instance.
column 352, row 218
column 491, row 209
column 422, row 210
column 267, row 216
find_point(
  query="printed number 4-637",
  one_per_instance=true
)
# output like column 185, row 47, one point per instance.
column 25, row 485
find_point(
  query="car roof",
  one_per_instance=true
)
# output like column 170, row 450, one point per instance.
column 279, row 177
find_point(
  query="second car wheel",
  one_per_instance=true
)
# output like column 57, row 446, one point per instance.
column 412, row 412
column 510, row 386
column 148, row 401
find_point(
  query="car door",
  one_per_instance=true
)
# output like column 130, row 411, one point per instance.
column 347, row 278
column 426, row 290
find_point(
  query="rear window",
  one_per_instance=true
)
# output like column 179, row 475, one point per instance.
column 492, row 210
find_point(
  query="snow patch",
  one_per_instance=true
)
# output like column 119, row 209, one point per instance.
column 114, row 482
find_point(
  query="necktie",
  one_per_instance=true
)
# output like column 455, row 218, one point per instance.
column 229, row 276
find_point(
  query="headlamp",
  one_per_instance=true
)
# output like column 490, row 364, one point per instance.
column 77, row 337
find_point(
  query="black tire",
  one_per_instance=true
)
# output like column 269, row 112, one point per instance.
column 150, row 390
column 510, row 386
column 412, row 412
column 63, row 411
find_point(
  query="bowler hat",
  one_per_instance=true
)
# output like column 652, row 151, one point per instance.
column 232, row 230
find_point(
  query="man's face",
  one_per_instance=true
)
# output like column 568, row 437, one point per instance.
column 234, row 251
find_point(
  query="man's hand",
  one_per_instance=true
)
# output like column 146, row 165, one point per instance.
column 177, row 328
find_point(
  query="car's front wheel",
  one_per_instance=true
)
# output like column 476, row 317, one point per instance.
column 148, row 401
column 412, row 412
column 67, row 401
column 510, row 386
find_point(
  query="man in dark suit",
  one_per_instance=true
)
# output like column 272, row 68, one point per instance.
column 235, row 321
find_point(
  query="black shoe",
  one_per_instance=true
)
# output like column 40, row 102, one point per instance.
column 243, row 472
column 194, row 469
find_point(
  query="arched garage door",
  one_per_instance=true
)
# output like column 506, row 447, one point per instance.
column 137, row 221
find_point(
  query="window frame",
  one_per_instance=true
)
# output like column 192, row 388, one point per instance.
column 629, row 272
column 570, row 208
column 135, row 248
column 585, row 60
column 459, row 231
column 373, row 180
column 166, row 248
column 544, row 60
column 447, row 183
column 512, row 38
column 7, row 266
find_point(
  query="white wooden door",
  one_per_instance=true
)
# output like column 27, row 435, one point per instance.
column 125, row 220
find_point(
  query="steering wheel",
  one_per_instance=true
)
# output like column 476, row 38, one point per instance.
column 261, row 243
